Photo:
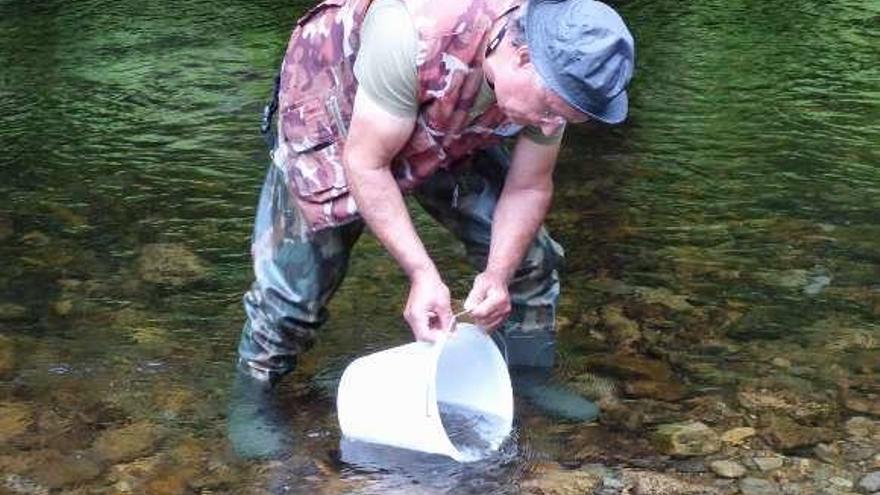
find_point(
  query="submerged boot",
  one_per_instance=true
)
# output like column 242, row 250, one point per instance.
column 535, row 385
column 530, row 357
column 255, row 421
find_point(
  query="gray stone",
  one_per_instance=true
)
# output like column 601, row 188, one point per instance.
column 840, row 482
column 686, row 439
column 870, row 483
column 652, row 483
column 768, row 463
column 728, row 469
column 861, row 427
column 829, row 453
column 757, row 486
column 858, row 451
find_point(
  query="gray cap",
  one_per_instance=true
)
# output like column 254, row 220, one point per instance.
column 584, row 52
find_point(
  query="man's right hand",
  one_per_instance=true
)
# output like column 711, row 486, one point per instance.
column 428, row 309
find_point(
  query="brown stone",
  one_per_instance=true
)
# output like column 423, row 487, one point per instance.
column 169, row 264
column 7, row 355
column 632, row 367
column 15, row 419
column 126, row 443
column 686, row 439
column 667, row 391
column 737, row 436
column 784, row 434
column 553, row 479
column 69, row 470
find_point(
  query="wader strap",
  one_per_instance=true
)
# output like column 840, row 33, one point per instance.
column 269, row 114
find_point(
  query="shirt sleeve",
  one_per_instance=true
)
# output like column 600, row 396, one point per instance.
column 386, row 62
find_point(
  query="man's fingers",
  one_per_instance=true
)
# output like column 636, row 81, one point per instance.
column 420, row 323
column 489, row 305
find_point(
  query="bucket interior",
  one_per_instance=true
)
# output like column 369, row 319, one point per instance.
column 474, row 394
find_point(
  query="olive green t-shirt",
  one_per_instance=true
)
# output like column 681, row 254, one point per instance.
column 386, row 65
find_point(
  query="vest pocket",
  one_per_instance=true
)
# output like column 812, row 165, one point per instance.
column 317, row 174
column 313, row 154
column 306, row 125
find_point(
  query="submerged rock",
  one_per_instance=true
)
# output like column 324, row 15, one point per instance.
column 7, row 229
column 807, row 406
column 784, row 434
column 623, row 332
column 728, row 469
column 666, row 298
column 666, row 391
column 127, row 443
column 686, row 439
column 15, row 419
column 768, row 463
column 25, row 486
column 70, row 470
column 757, row 486
column 7, row 355
column 870, row 483
column 553, row 479
column 630, row 367
column 651, row 483
column 736, row 436
column 861, row 402
column 170, row 264
column 856, row 427
column 10, row 311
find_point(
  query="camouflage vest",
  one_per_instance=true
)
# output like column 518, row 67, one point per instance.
column 317, row 95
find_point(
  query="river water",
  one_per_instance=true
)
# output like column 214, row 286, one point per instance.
column 722, row 252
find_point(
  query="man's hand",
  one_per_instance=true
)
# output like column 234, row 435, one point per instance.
column 428, row 309
column 489, row 301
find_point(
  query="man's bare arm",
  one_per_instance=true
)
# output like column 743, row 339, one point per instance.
column 522, row 206
column 375, row 136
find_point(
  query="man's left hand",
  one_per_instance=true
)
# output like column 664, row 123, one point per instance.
column 489, row 301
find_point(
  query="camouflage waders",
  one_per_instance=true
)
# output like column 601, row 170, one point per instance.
column 298, row 271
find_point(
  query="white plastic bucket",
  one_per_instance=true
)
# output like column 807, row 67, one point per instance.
column 393, row 397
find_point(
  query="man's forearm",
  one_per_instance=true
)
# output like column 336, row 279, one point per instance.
column 381, row 205
column 518, row 216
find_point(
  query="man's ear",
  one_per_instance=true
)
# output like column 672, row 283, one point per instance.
column 521, row 54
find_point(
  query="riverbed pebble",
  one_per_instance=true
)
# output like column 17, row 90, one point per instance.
column 127, row 442
column 757, row 486
column 870, row 483
column 737, row 436
column 686, row 439
column 766, row 463
column 727, row 469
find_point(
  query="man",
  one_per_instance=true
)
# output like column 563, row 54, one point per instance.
column 385, row 97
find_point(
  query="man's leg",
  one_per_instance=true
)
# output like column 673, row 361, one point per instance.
column 295, row 276
column 464, row 202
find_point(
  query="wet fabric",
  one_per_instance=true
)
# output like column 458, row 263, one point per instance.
column 297, row 272
column 318, row 86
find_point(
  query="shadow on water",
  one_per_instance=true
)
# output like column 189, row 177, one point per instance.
column 722, row 263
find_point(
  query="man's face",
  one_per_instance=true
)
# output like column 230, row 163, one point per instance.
column 523, row 97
